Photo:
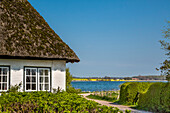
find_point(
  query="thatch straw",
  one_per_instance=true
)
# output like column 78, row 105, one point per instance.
column 25, row 34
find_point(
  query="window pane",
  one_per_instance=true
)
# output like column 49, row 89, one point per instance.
column 33, row 86
column 4, row 71
column 27, row 71
column 41, row 72
column 28, row 87
column 28, row 79
column 46, row 79
column 4, row 86
column 46, row 72
column 46, row 86
column 33, row 79
column 4, row 78
column 33, row 71
column 41, row 79
column 41, row 86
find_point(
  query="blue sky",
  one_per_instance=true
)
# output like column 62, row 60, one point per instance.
column 111, row 37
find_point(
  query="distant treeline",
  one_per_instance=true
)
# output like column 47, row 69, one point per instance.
column 140, row 77
column 151, row 77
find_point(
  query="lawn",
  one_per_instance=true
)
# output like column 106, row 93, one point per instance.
column 110, row 96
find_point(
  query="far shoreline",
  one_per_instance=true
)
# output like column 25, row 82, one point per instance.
column 117, row 80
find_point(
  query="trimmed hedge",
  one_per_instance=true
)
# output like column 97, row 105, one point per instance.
column 129, row 90
column 156, row 99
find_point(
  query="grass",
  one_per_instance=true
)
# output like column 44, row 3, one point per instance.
column 110, row 96
column 83, row 92
column 91, row 96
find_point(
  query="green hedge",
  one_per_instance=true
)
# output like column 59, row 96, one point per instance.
column 156, row 99
column 129, row 90
column 45, row 102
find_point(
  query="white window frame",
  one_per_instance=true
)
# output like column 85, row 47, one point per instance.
column 37, row 78
column 30, row 79
column 44, row 79
column 2, row 78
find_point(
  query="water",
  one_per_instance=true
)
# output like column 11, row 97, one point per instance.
column 99, row 85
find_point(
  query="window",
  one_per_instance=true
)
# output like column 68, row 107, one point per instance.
column 44, row 79
column 37, row 79
column 4, row 78
column 31, row 78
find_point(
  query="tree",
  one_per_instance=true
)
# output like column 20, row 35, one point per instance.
column 69, row 87
column 68, row 79
column 165, row 68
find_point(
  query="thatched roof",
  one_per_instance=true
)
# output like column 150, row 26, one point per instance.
column 25, row 34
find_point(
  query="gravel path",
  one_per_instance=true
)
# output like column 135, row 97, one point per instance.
column 121, row 107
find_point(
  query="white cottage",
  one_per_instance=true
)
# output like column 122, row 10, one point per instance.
column 30, row 51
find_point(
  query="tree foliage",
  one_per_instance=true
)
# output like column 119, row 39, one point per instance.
column 165, row 68
column 69, row 87
column 68, row 78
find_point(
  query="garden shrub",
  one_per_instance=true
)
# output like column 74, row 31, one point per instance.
column 123, row 92
column 165, row 97
column 45, row 102
column 156, row 99
column 73, row 90
column 129, row 90
column 15, row 88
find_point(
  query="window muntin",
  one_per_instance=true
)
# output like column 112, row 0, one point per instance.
column 30, row 79
column 44, row 79
column 4, row 81
column 37, row 78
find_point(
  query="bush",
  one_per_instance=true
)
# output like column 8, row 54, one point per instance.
column 123, row 92
column 73, row 90
column 15, row 88
column 156, row 99
column 129, row 90
column 45, row 102
column 69, row 87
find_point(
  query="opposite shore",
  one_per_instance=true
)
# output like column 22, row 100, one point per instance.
column 85, row 79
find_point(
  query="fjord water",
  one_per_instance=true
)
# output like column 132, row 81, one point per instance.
column 100, row 85
column 97, row 85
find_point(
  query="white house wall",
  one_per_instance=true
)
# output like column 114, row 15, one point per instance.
column 58, row 75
